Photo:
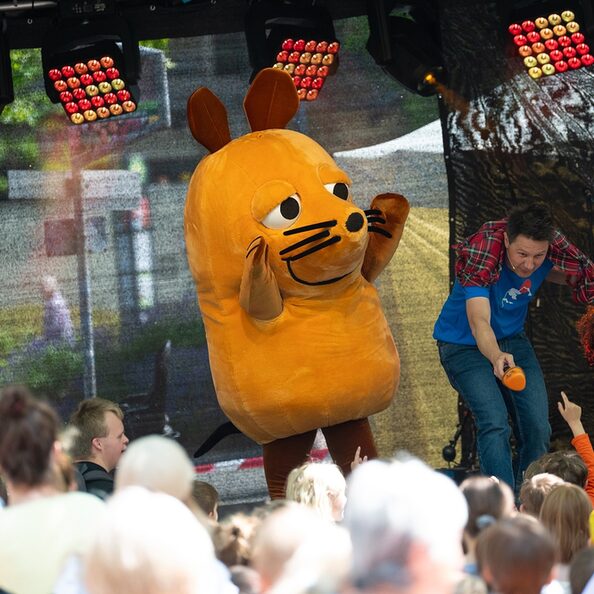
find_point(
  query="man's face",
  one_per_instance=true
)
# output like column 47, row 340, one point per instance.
column 114, row 443
column 525, row 255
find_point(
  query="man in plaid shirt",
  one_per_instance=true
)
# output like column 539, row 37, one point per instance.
column 480, row 330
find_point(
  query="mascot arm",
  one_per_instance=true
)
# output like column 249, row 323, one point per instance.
column 259, row 294
column 386, row 219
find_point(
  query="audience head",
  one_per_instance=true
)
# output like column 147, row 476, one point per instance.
column 233, row 539
column 516, row 555
column 278, row 537
column 534, row 490
column 158, row 464
column 488, row 500
column 406, row 523
column 566, row 464
column 565, row 512
column 320, row 486
column 28, row 434
column 150, row 543
column 581, row 570
column 321, row 563
column 206, row 497
column 100, row 436
column 245, row 578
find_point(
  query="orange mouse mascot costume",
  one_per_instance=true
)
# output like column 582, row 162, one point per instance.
column 283, row 262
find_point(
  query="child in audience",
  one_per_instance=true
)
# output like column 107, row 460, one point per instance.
column 565, row 514
column 534, row 490
column 206, row 497
column 572, row 413
column 233, row 539
column 488, row 500
column 516, row 556
column 318, row 485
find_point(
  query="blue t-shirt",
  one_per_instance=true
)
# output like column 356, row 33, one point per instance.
column 509, row 298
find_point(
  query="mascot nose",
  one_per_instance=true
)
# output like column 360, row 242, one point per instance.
column 354, row 222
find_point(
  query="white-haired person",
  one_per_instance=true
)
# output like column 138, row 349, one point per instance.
column 158, row 464
column 151, row 543
column 297, row 552
column 406, row 523
column 318, row 485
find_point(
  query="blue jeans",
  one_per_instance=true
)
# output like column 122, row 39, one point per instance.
column 493, row 406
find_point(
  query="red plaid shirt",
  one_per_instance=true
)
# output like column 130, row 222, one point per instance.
column 479, row 259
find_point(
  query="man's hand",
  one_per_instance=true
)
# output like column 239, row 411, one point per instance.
column 572, row 413
column 501, row 363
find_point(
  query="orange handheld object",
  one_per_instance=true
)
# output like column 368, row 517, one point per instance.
column 514, row 378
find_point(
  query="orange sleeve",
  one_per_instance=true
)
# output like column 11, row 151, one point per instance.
column 583, row 446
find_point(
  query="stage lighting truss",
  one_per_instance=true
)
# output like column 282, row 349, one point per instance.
column 551, row 44
column 295, row 36
column 406, row 46
column 6, row 88
column 93, row 77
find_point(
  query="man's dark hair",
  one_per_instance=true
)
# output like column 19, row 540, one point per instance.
column 534, row 220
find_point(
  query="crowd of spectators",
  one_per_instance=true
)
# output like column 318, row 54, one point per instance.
column 391, row 527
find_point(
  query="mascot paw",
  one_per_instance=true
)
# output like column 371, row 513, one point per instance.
column 385, row 219
column 259, row 294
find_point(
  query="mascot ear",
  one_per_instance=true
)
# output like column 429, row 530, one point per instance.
column 271, row 100
column 207, row 118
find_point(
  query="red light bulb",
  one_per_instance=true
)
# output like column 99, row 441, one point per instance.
column 79, row 94
column 323, row 71
column 94, row 65
column 587, row 59
column 333, row 47
column 569, row 52
column 81, row 68
column 123, row 95
column 66, row 97
column 551, row 44
column 564, row 41
column 60, row 85
column 106, row 61
column 311, row 70
column 84, row 104
column 533, row 36
column 300, row 69
column 110, row 98
column 99, row 76
column 86, row 79
column 528, row 26
column 578, row 38
column 71, row 107
column 520, row 40
column 310, row 46
column 311, row 95
column 306, row 82
column 574, row 63
column 294, row 57
column 280, row 57
column 582, row 49
column 68, row 71
column 299, row 45
column 556, row 55
column 54, row 74
column 97, row 101
column 73, row 82
column 322, row 47
column 561, row 66
column 515, row 29
column 288, row 44
column 317, row 83
column 297, row 81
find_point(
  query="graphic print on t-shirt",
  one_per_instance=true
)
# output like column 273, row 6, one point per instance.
column 513, row 296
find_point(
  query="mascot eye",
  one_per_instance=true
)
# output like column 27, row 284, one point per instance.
column 340, row 190
column 284, row 214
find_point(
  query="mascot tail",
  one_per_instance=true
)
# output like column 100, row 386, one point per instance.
column 217, row 435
